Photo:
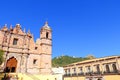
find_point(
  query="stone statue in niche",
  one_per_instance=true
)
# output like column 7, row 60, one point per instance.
column 5, row 39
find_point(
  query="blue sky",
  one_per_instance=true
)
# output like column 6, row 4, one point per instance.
column 80, row 27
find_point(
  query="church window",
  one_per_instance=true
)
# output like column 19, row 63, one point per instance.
column 36, row 48
column 47, row 35
column 34, row 61
column 15, row 41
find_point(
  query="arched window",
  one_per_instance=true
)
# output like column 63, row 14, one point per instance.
column 89, row 69
column 98, row 68
column 114, row 67
column 47, row 34
column 74, row 69
column 107, row 68
column 81, row 70
column 69, row 72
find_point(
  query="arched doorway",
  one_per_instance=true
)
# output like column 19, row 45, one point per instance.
column 11, row 65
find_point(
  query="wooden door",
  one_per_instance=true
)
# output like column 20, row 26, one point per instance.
column 11, row 65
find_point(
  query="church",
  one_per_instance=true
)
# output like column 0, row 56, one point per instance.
column 22, row 54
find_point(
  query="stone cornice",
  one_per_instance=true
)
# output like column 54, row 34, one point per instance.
column 22, row 52
column 45, row 54
column 46, row 38
column 15, row 47
column 45, row 44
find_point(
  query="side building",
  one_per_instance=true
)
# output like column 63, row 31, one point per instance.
column 107, row 68
column 24, row 55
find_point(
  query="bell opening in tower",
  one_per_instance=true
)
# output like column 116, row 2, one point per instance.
column 47, row 35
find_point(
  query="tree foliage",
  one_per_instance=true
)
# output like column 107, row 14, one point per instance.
column 90, row 57
column 1, row 56
column 65, row 60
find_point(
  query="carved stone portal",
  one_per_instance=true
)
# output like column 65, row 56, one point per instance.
column 11, row 65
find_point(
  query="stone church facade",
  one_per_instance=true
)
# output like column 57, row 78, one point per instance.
column 23, row 54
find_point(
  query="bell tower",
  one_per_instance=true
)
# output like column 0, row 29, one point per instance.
column 46, row 48
column 46, row 39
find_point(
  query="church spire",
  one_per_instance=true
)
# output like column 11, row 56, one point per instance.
column 29, row 31
column 10, row 26
column 46, row 25
column 24, row 30
column 5, row 28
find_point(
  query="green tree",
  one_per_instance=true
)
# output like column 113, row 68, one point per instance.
column 90, row 57
column 1, row 56
column 65, row 60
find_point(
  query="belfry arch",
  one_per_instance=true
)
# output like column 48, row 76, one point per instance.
column 11, row 65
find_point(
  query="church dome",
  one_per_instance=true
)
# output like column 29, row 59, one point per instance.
column 46, row 26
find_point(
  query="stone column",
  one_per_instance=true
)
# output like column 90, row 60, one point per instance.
column 91, row 68
column 103, row 68
column 18, row 69
column 23, row 63
column 118, row 63
column 5, row 56
column 84, row 69
column 111, row 68
column 94, row 68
